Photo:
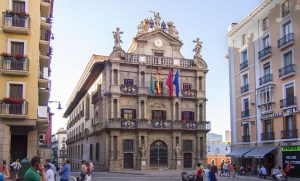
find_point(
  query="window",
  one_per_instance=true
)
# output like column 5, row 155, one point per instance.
column 266, row 95
column 289, row 94
column 187, row 145
column 266, row 69
column 244, row 56
column 266, row 41
column 91, row 152
column 128, row 114
column 17, row 48
column 16, row 91
column 289, row 123
column 161, row 85
column 268, row 126
column 245, row 105
column 246, row 130
column 128, row 145
column 285, row 8
column 97, row 151
column 186, row 86
column 18, row 6
column 245, row 80
column 187, row 116
column 158, row 115
column 159, row 54
column 265, row 24
column 243, row 39
column 287, row 58
column 128, row 81
column 286, row 28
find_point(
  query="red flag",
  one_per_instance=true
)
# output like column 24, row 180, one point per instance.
column 169, row 82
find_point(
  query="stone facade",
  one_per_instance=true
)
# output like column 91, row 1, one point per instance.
column 117, row 123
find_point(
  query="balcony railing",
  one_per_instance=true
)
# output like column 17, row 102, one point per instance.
column 287, row 70
column 267, row 136
column 286, row 40
column 19, row 107
column 12, row 63
column 265, row 52
column 15, row 20
column 246, row 138
column 266, row 107
column 189, row 93
column 245, row 113
column 288, row 134
column 129, row 89
column 292, row 101
column 244, row 65
column 265, row 79
column 45, row 35
column 96, row 96
column 156, row 124
column 158, row 60
column 244, row 88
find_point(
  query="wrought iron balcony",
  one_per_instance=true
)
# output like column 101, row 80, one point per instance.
column 286, row 40
column 287, row 70
column 264, row 53
column 246, row 138
column 265, row 79
column 158, row 60
column 14, row 65
column 129, row 89
column 292, row 101
column 245, row 113
column 189, row 93
column 244, row 65
column 288, row 134
column 13, row 108
column 13, row 22
column 244, row 88
column 267, row 136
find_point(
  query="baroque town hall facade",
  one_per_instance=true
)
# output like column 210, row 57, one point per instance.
column 122, row 114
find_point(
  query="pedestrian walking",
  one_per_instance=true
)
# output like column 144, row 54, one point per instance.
column 262, row 172
column 222, row 169
column 65, row 171
column 232, row 169
column 16, row 166
column 199, row 172
column 276, row 173
column 49, row 173
column 213, row 173
column 207, row 170
column 287, row 170
column 4, row 172
column 37, row 171
column 52, row 166
column 226, row 169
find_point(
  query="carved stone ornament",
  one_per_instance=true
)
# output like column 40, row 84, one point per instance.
column 117, row 38
column 198, row 47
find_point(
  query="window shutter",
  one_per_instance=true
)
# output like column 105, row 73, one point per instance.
column 133, row 114
column 152, row 114
column 122, row 113
column 164, row 115
column 192, row 116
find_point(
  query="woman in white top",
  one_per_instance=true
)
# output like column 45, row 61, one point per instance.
column 49, row 173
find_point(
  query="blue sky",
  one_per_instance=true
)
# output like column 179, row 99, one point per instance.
column 83, row 28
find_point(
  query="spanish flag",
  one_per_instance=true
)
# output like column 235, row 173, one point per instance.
column 157, row 84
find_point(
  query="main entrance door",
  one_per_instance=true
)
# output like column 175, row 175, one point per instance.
column 128, row 160
column 158, row 154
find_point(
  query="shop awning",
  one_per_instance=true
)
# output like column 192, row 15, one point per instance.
column 260, row 152
column 239, row 152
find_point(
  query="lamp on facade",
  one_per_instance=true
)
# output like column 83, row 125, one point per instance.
column 228, row 145
column 59, row 105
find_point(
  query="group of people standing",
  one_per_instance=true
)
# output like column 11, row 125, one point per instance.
column 210, row 173
column 227, row 169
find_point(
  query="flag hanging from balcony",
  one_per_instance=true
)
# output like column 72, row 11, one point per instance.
column 169, row 82
column 157, row 83
column 151, row 84
column 176, row 83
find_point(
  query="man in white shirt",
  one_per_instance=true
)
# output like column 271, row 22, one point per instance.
column 52, row 166
column 49, row 173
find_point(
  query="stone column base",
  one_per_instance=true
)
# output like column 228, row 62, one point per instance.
column 143, row 164
column 114, row 165
column 178, row 163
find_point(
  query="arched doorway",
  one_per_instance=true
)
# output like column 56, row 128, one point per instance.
column 158, row 154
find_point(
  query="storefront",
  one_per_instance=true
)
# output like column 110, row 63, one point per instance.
column 291, row 154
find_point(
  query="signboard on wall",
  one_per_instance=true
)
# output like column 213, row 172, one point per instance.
column 291, row 154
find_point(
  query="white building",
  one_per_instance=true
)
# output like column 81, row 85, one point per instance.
column 59, row 147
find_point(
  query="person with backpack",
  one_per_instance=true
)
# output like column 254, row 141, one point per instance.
column 16, row 168
column 199, row 172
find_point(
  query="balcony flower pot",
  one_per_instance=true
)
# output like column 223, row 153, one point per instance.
column 9, row 100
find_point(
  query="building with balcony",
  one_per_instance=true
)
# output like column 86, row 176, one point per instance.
column 59, row 146
column 264, row 97
column 140, row 109
column 24, row 113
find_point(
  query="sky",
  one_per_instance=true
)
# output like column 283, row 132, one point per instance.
column 83, row 28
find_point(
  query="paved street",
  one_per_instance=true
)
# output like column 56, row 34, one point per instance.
column 154, row 175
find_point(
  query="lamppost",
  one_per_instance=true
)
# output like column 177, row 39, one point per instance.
column 217, row 151
column 59, row 105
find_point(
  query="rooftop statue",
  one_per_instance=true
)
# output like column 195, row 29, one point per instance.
column 144, row 26
column 117, row 37
column 198, row 47
column 156, row 19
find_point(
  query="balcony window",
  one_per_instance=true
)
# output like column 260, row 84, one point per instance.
column 246, row 133
column 128, row 81
column 285, row 8
column 287, row 35
column 187, row 116
column 265, row 24
column 245, row 108
column 128, row 114
column 186, row 86
column 244, row 60
column 265, row 99
column 268, row 77
column 290, row 130
column 245, row 84
column 288, row 66
column 45, row 35
column 159, row 115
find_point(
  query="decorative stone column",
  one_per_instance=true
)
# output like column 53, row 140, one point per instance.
column 177, row 152
column 143, row 152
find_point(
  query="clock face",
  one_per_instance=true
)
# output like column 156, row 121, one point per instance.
column 158, row 43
